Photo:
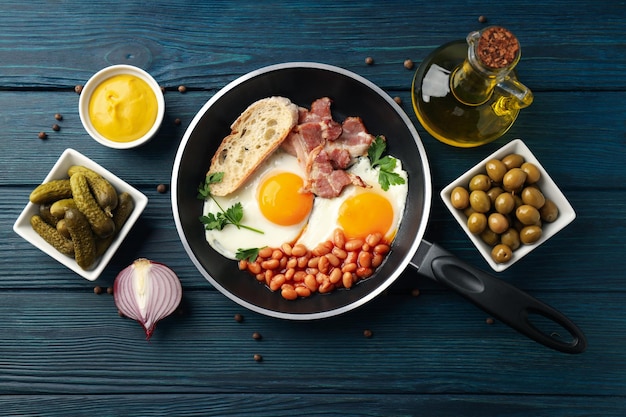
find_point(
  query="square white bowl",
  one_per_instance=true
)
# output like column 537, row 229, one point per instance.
column 548, row 187
column 59, row 171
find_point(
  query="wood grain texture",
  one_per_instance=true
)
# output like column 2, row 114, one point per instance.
column 64, row 351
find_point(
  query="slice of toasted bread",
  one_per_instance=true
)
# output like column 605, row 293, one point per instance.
column 256, row 133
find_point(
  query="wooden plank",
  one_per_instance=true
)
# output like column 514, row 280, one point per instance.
column 74, row 341
column 580, row 147
column 335, row 404
column 203, row 44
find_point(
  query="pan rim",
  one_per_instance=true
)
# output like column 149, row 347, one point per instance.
column 426, row 205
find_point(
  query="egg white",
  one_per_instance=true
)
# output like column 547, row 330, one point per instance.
column 230, row 239
column 324, row 217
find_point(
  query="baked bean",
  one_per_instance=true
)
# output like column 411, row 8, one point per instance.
column 365, row 247
column 339, row 253
column 243, row 265
column 353, row 245
column 363, row 272
column 260, row 277
column 313, row 262
column 312, row 271
column 339, row 239
column 352, row 257
column 326, row 287
column 292, row 263
column 265, row 252
column 286, row 248
column 373, row 239
column 254, row 267
column 351, row 267
column 283, row 262
column 277, row 254
column 310, row 282
column 303, row 291
column 270, row 264
column 289, row 293
column 323, row 249
column 268, row 276
column 277, row 282
column 335, row 275
column 299, row 276
column 334, row 261
column 377, row 260
column 303, row 261
column 290, row 273
column 382, row 249
column 346, row 279
column 365, row 259
column 299, row 250
column 323, row 264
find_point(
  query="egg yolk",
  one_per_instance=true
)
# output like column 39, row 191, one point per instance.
column 364, row 214
column 281, row 200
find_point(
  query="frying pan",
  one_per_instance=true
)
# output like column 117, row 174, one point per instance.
column 352, row 95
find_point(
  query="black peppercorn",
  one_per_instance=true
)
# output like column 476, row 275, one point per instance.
column 42, row 135
column 238, row 318
column 257, row 336
column 258, row 357
column 161, row 188
column 182, row 89
column 369, row 60
column 56, row 127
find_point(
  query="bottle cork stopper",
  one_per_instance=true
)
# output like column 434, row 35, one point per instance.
column 497, row 47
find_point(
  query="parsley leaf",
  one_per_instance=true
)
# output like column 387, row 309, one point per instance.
column 249, row 255
column 233, row 215
column 386, row 176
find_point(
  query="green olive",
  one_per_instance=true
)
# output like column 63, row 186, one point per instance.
column 480, row 182
column 513, row 161
column 501, row 253
column 493, row 193
column 468, row 211
column 495, row 169
column 533, row 197
column 530, row 234
column 549, row 212
column 480, row 202
column 459, row 198
column 489, row 237
column 532, row 172
column 527, row 214
column 514, row 180
column 511, row 238
column 476, row 223
column 498, row 222
column 505, row 203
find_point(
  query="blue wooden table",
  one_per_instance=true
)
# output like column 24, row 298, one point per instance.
column 64, row 350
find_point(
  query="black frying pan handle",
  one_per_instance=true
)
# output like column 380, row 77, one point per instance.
column 495, row 296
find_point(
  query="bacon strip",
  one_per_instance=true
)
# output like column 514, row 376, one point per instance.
column 325, row 148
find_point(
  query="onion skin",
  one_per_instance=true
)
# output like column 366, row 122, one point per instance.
column 147, row 291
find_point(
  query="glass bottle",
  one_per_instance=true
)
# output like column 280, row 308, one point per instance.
column 465, row 93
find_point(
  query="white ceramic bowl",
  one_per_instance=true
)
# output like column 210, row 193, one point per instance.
column 548, row 187
column 71, row 157
column 95, row 81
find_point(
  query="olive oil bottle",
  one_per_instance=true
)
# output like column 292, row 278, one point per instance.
column 465, row 93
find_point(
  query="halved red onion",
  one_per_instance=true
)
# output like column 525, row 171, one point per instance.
column 147, row 291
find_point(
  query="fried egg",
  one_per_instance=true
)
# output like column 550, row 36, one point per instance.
column 273, row 202
column 359, row 211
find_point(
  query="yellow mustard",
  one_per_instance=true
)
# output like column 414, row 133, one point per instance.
column 123, row 108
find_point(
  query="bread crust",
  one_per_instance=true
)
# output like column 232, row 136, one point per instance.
column 255, row 134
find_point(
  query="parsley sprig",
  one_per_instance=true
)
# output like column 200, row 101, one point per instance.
column 386, row 176
column 249, row 255
column 232, row 215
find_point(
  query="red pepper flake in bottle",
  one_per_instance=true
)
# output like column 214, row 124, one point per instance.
column 497, row 47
